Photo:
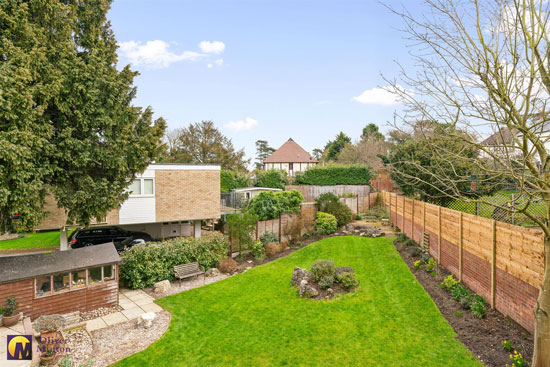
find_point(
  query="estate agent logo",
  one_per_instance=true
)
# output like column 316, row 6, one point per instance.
column 20, row 347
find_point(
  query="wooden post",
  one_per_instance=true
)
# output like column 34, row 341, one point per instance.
column 494, row 264
column 424, row 218
column 256, row 230
column 368, row 200
column 403, row 217
column 439, row 235
column 460, row 247
column 412, row 221
column 357, row 200
column 280, row 237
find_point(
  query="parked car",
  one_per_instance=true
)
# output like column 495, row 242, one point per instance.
column 122, row 238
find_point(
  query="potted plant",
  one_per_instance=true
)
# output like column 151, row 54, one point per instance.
column 47, row 326
column 10, row 316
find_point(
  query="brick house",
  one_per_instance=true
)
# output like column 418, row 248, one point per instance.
column 291, row 158
column 166, row 200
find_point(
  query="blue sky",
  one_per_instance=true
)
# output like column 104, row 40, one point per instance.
column 263, row 69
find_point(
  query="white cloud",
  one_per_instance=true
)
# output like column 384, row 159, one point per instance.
column 383, row 96
column 219, row 62
column 242, row 125
column 155, row 53
column 214, row 47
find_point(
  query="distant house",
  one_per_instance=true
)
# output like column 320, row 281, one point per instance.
column 166, row 200
column 499, row 144
column 291, row 158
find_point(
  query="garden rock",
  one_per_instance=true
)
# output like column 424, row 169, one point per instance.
column 298, row 275
column 330, row 293
column 307, row 290
column 146, row 320
column 162, row 287
column 213, row 272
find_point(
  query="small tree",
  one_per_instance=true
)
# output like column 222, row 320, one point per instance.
column 273, row 178
column 240, row 228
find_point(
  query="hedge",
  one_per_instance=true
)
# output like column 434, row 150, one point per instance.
column 269, row 205
column 273, row 178
column 144, row 265
column 334, row 174
column 230, row 180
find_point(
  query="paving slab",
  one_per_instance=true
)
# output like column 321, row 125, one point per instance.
column 114, row 318
column 127, row 305
column 133, row 313
column 135, row 293
column 143, row 301
column 151, row 307
column 95, row 324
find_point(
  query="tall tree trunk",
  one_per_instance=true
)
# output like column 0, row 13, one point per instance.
column 541, row 355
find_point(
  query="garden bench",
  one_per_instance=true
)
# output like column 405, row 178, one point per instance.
column 188, row 270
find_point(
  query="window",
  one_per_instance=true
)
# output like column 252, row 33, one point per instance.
column 94, row 276
column 135, row 187
column 142, row 187
column 109, row 272
column 61, row 283
column 148, row 186
column 79, row 279
column 43, row 286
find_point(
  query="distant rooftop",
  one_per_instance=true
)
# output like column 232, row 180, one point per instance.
column 290, row 152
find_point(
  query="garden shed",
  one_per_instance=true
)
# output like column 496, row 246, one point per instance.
column 62, row 281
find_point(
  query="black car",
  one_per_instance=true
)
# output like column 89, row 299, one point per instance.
column 122, row 239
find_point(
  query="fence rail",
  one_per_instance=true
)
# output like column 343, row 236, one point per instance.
column 502, row 262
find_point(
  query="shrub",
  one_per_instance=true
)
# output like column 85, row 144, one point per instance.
column 326, row 281
column 322, row 268
column 459, row 291
column 272, row 248
column 410, row 242
column 507, row 345
column 332, row 174
column 142, row 266
column 359, row 217
column 11, row 306
column 326, row 223
column 430, row 265
column 478, row 307
column 348, row 280
column 401, row 238
column 329, row 203
column 269, row 237
column 48, row 323
column 228, row 266
column 466, row 300
column 449, row 283
column 258, row 251
column 273, row 178
column 230, row 180
column 269, row 205
column 426, row 257
column 417, row 264
column 415, row 252
column 343, row 269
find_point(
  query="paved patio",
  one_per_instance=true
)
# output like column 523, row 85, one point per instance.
column 4, row 332
column 133, row 302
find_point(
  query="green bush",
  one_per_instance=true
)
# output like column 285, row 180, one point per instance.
column 329, row 203
column 333, row 174
column 459, row 291
column 326, row 223
column 343, row 269
column 269, row 237
column 326, row 282
column 478, row 306
column 410, row 242
column 269, row 205
column 230, row 180
column 239, row 226
column 273, row 178
column 322, row 268
column 258, row 251
column 144, row 265
column 449, row 283
column 430, row 265
column 401, row 237
column 348, row 280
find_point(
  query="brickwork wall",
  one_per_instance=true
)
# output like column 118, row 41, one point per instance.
column 187, row 195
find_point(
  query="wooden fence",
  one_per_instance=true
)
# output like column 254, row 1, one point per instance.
column 502, row 262
column 363, row 200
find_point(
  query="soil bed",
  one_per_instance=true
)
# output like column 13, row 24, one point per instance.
column 482, row 336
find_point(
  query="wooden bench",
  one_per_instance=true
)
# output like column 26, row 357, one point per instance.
column 188, row 271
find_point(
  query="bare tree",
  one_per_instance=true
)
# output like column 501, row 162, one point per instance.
column 484, row 68
column 366, row 151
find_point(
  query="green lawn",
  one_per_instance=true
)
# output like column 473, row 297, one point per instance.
column 33, row 240
column 256, row 319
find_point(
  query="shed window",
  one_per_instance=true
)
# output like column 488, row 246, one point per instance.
column 79, row 279
column 61, row 282
column 94, row 275
column 109, row 272
column 43, row 286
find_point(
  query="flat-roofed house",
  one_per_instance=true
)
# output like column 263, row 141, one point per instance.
column 166, row 200
column 291, row 158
